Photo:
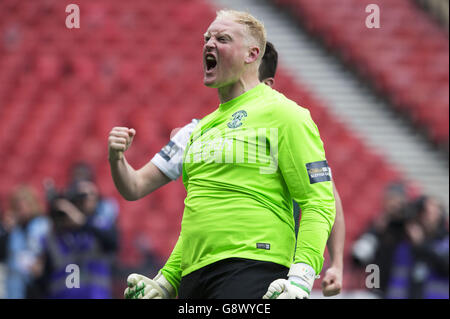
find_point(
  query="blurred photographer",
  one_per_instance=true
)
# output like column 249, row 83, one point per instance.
column 375, row 245
column 420, row 265
column 84, row 237
column 25, row 226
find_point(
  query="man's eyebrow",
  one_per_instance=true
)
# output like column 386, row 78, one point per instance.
column 225, row 35
column 218, row 33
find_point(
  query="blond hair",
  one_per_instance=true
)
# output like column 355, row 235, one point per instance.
column 254, row 27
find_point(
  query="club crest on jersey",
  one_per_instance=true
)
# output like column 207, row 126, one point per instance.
column 236, row 119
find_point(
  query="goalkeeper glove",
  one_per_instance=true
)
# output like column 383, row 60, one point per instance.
column 141, row 287
column 298, row 285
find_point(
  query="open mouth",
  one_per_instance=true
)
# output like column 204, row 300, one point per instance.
column 210, row 62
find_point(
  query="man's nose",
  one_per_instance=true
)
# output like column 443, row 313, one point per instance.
column 210, row 44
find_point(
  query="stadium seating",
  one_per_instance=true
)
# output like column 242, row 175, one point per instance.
column 138, row 64
column 406, row 59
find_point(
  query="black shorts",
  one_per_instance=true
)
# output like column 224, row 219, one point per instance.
column 231, row 278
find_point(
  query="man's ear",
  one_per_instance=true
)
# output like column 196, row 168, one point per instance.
column 269, row 81
column 252, row 55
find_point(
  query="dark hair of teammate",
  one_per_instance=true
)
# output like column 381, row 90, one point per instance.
column 269, row 63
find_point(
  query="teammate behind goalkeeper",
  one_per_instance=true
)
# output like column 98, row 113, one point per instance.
column 237, row 237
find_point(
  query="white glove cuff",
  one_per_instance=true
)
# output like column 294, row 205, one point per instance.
column 302, row 274
column 165, row 285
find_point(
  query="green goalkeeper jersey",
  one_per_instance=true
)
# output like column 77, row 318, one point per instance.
column 243, row 165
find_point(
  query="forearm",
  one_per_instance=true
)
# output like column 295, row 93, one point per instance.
column 314, row 230
column 336, row 241
column 172, row 268
column 125, row 178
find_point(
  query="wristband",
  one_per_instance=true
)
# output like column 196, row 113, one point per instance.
column 303, row 275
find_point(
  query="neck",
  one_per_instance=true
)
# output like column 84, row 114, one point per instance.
column 229, row 92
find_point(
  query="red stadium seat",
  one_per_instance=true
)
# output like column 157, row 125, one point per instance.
column 397, row 58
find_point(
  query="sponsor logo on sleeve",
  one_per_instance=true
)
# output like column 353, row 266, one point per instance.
column 318, row 172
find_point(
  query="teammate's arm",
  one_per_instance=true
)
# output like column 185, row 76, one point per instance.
column 132, row 184
column 332, row 281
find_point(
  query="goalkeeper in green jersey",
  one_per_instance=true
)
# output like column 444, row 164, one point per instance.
column 234, row 194
column 167, row 165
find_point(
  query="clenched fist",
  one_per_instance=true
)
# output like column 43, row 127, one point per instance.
column 332, row 282
column 119, row 140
